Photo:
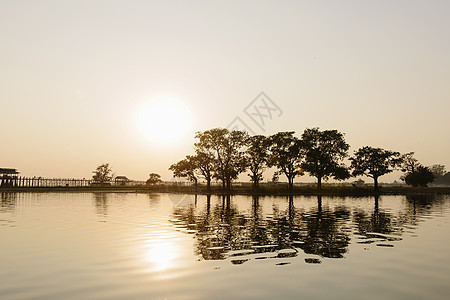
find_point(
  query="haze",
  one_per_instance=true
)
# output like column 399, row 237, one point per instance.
column 76, row 76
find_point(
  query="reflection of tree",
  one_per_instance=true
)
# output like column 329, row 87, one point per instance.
column 223, row 231
column 381, row 225
column 324, row 234
column 419, row 205
column 153, row 199
column 101, row 203
column 8, row 201
column 378, row 221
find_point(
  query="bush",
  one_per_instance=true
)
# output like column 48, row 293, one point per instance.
column 422, row 176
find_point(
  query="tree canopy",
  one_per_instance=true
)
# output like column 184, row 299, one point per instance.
column 223, row 155
column 228, row 150
column 438, row 170
column 415, row 173
column 421, row 176
column 103, row 174
column 185, row 168
column 153, row 178
column 324, row 153
column 257, row 156
column 286, row 155
column 374, row 162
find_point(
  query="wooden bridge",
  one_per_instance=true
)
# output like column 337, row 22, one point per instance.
column 11, row 178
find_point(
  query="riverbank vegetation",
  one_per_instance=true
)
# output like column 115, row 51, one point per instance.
column 265, row 189
column 223, row 155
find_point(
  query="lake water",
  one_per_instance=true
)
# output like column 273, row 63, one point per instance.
column 170, row 246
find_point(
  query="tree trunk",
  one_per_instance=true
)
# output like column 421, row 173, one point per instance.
column 319, row 183
column 255, row 185
column 208, row 184
column 290, row 184
column 255, row 181
column 375, row 184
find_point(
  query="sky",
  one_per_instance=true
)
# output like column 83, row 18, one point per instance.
column 130, row 82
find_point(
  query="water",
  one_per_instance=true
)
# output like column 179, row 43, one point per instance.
column 168, row 246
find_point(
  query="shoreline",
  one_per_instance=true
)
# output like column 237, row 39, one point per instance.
column 241, row 190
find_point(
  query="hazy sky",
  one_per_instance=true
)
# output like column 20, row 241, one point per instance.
column 80, row 80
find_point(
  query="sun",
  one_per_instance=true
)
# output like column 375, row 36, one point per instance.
column 163, row 121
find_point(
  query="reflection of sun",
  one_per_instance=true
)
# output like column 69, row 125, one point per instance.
column 163, row 121
column 162, row 254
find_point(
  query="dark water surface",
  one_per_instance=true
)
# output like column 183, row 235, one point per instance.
column 168, row 246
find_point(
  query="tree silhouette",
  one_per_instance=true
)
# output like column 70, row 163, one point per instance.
column 438, row 170
column 421, row 176
column 286, row 155
column 103, row 174
column 409, row 163
column 205, row 165
column 324, row 152
column 153, row 178
column 374, row 162
column 415, row 173
column 186, row 168
column 257, row 155
column 228, row 149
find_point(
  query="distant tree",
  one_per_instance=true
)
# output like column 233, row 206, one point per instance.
column 324, row 152
column 275, row 176
column 103, row 174
column 415, row 173
column 186, row 168
column 438, row 170
column 409, row 163
column 257, row 156
column 286, row 155
column 153, row 178
column 374, row 162
column 228, row 149
column 421, row 176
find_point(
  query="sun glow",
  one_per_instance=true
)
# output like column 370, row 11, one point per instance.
column 162, row 255
column 163, row 121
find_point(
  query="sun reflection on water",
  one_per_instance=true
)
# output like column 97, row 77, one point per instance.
column 162, row 254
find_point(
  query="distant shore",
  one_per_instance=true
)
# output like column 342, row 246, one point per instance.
column 309, row 190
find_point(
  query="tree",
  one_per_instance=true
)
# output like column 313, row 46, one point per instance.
column 438, row 170
column 257, row 155
column 205, row 164
column 374, row 162
column 415, row 173
column 186, row 168
column 275, row 176
column 409, row 163
column 228, row 150
column 286, row 155
column 153, row 178
column 193, row 166
column 209, row 142
column 324, row 152
column 103, row 174
column 421, row 176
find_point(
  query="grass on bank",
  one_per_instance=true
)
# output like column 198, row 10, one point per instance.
column 244, row 189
